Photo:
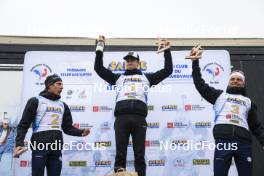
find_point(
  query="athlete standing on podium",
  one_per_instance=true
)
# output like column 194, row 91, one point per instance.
column 131, row 103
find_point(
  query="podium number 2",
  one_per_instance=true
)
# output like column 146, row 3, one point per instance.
column 55, row 121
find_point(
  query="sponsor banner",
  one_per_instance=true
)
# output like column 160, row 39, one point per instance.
column 176, row 116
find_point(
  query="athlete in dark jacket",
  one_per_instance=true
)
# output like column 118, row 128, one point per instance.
column 235, row 118
column 49, row 117
column 131, row 104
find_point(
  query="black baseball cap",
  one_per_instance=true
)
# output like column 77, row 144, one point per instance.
column 132, row 55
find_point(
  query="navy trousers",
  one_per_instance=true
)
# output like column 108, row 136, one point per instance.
column 242, row 155
column 46, row 158
column 136, row 126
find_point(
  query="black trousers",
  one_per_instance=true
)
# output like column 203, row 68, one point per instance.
column 46, row 158
column 136, row 126
column 223, row 158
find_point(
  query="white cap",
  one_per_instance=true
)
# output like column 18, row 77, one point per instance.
column 238, row 73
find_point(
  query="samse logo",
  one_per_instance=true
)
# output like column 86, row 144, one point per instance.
column 121, row 66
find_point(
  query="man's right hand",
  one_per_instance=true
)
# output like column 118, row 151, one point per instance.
column 100, row 43
column 163, row 44
column 196, row 53
column 18, row 151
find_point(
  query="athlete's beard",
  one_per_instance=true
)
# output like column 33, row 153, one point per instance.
column 236, row 90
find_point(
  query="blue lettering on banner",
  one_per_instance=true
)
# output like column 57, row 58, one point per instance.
column 181, row 76
column 180, row 72
column 76, row 72
column 180, row 66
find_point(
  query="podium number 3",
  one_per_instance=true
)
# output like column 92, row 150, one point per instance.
column 235, row 109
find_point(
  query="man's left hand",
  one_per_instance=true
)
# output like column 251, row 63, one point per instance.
column 85, row 132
